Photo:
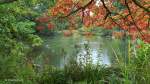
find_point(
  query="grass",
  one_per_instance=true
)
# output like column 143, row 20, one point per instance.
column 133, row 71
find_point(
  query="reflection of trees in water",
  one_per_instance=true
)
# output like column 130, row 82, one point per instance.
column 83, row 55
column 88, row 54
column 61, row 51
column 91, row 53
column 99, row 57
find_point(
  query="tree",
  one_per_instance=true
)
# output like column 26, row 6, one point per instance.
column 132, row 16
column 17, row 36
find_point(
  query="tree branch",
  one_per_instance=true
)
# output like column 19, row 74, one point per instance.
column 139, row 5
column 80, row 8
column 133, row 19
column 107, row 10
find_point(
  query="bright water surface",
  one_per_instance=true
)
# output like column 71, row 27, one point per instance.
column 58, row 50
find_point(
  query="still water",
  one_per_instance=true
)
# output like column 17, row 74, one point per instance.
column 59, row 50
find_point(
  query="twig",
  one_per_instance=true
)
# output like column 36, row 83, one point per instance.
column 80, row 8
column 133, row 18
column 139, row 5
column 107, row 10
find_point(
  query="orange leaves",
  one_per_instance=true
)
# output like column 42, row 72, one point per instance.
column 54, row 12
column 62, row 7
column 146, row 35
column 67, row 33
column 50, row 26
column 124, row 27
column 60, row 10
column 87, row 23
column 146, row 38
column 99, row 16
column 110, row 23
column 124, row 12
column 65, row 2
column 133, row 32
column 40, row 28
column 99, row 23
column 68, row 2
column 93, row 15
column 118, row 35
column 116, row 17
column 132, row 29
column 42, row 21
column 142, row 24
column 133, row 7
column 129, row 18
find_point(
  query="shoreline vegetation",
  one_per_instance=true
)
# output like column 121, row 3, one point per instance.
column 133, row 70
column 31, row 49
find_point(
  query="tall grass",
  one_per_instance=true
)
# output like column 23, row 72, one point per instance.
column 134, row 71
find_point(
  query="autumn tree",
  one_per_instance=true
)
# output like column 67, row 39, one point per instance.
column 131, row 16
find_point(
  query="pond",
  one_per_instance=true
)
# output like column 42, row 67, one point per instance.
column 59, row 50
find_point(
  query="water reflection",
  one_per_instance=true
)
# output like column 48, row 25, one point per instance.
column 59, row 50
column 94, row 53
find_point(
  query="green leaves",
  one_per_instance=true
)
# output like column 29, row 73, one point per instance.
column 118, row 5
column 16, row 38
column 34, row 40
column 61, row 24
column 25, row 27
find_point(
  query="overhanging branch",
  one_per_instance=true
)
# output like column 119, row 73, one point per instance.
column 139, row 5
column 80, row 8
column 107, row 10
column 133, row 19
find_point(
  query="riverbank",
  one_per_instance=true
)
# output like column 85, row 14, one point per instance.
column 134, row 71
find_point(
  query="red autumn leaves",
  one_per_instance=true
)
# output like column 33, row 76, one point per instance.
column 62, row 7
column 49, row 26
column 40, row 28
column 94, row 16
column 44, row 23
column 146, row 38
